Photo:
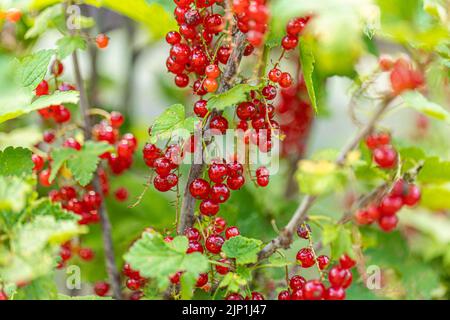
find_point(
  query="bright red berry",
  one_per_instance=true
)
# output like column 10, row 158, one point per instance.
column 305, row 257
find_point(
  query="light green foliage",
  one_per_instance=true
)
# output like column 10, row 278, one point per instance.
column 69, row 44
column 33, row 68
column 82, row 163
column 15, row 162
column 243, row 249
column 157, row 259
column 232, row 97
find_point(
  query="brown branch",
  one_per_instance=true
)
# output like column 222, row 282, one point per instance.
column 111, row 267
column 285, row 237
column 196, row 171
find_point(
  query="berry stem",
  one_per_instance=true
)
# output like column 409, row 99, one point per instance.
column 284, row 239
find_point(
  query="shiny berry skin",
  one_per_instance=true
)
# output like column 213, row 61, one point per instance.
column 235, row 183
column 245, row 110
column 305, row 257
column 61, row 114
column 289, row 42
column 175, row 279
column 262, row 181
column 284, row 295
column 38, row 162
column 101, row 288
column 92, row 200
column 121, row 194
column 223, row 54
column 192, row 234
column 222, row 269
column 303, row 231
column 269, row 92
column 390, row 205
column 173, row 37
column 219, row 224
column 249, row 50
column 323, row 261
column 211, row 85
column 217, row 172
column 235, row 169
column 86, row 254
column 116, row 119
column 161, row 184
column 219, row 123
column 181, row 80
column 102, row 41
column 231, row 232
column 200, row 108
column 44, row 177
column 362, row 217
column 49, row 137
column 72, row 143
column 180, row 53
column 314, row 290
column 201, row 280
column 285, row 80
column 209, row 208
column 385, row 157
column 295, row 26
column 163, row 167
column 339, row 277
column 257, row 296
column 413, row 196
column 346, row 262
column 335, row 294
column 194, row 246
column 214, row 243
column 388, row 223
column 133, row 284
column 275, row 75
column 219, row 193
column 297, row 282
column 199, row 188
column 42, row 89
column 234, row 296
column 67, row 193
column 212, row 71
column 297, row 294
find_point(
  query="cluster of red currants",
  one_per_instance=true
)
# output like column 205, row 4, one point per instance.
column 339, row 277
column 126, row 145
column 67, row 251
column 252, row 18
column 402, row 193
column 134, row 282
column 296, row 117
column 164, row 165
column 403, row 76
column 212, row 237
column 192, row 50
column 384, row 154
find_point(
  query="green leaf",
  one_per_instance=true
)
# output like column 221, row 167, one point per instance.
column 339, row 237
column 33, row 68
column 82, row 163
column 230, row 98
column 308, row 63
column 45, row 207
column 172, row 122
column 16, row 162
column 14, row 193
column 233, row 282
column 319, row 177
column 245, row 250
column 10, row 112
column 436, row 197
column 69, row 44
column 434, row 171
column 416, row 100
column 154, row 258
column 43, row 21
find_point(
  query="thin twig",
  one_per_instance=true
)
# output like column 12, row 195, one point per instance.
column 284, row 239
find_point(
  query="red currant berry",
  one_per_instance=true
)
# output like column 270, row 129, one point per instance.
column 297, row 282
column 42, row 89
column 200, row 108
column 275, row 75
column 217, row 172
column 219, row 224
column 289, row 42
column 38, row 162
column 214, row 243
column 209, row 207
column 335, row 294
column 219, row 193
column 314, row 290
column 219, row 123
column 297, row 295
column 86, row 254
column 49, row 136
column 346, row 262
column 231, row 232
column 199, row 189
column 412, row 197
column 323, row 261
column 102, row 41
column 303, row 231
column 388, row 223
column 101, row 288
column 194, row 246
column 284, row 295
column 201, row 280
column 339, row 277
column 385, row 156
column 221, row 269
column 236, row 182
column 173, row 37
column 305, row 257
column 390, row 205
column 285, row 80
column 116, row 119
column 192, row 234
column 44, row 177
column 121, row 194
